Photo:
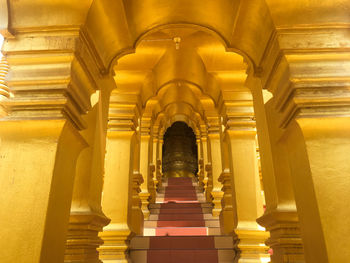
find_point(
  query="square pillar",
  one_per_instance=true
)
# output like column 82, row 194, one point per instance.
column 214, row 186
column 40, row 143
column 120, row 201
column 310, row 104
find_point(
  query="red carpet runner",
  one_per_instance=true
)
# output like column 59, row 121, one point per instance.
column 181, row 233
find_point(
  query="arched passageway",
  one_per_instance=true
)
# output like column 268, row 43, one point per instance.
column 180, row 156
column 92, row 87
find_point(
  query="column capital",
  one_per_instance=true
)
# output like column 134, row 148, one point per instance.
column 240, row 123
column 48, row 79
column 145, row 128
column 214, row 125
column 203, row 130
column 123, row 113
column 307, row 71
column 155, row 132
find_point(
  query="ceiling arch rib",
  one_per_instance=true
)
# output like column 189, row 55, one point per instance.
column 128, row 22
column 168, row 78
column 177, row 112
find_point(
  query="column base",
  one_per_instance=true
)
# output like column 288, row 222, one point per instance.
column 217, row 196
column 285, row 239
column 208, row 183
column 116, row 245
column 250, row 245
column 144, row 196
column 159, row 178
column 82, row 237
column 227, row 215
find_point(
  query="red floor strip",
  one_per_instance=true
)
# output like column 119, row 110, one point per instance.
column 181, row 235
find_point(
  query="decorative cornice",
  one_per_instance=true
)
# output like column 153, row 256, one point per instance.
column 88, row 43
column 4, row 90
column 307, row 70
column 47, row 78
column 203, row 130
column 145, row 129
column 213, row 125
column 239, row 115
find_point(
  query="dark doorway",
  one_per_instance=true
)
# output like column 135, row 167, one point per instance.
column 179, row 151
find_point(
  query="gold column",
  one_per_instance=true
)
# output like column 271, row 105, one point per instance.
column 200, row 162
column 159, row 174
column 206, row 161
column 120, row 200
column 246, row 182
column 86, row 216
column 228, row 215
column 154, row 165
column 148, row 191
column 280, row 217
column 214, row 186
column 40, row 143
column 316, row 122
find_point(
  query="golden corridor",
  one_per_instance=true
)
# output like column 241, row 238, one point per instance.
column 88, row 88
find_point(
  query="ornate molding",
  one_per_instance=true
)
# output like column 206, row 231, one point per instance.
column 208, row 182
column 307, row 70
column 82, row 237
column 217, row 197
column 47, row 78
column 144, row 197
column 227, row 213
column 285, row 237
column 213, row 125
column 124, row 112
column 145, row 128
column 4, row 90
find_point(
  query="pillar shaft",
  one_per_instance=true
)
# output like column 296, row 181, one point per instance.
column 280, row 217
column 86, row 216
column 148, row 191
column 318, row 161
column 42, row 182
column 154, row 165
column 200, row 164
column 206, row 161
column 310, row 103
column 120, row 201
column 228, row 215
column 159, row 173
column 40, row 137
column 214, row 186
column 247, row 190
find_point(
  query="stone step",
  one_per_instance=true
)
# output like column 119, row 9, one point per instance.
column 205, row 210
column 182, row 223
column 179, row 192
column 194, row 184
column 183, row 187
column 191, row 195
column 181, row 231
column 165, row 215
column 179, row 205
column 183, row 256
column 182, row 242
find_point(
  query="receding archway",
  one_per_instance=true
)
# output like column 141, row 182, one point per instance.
column 180, row 158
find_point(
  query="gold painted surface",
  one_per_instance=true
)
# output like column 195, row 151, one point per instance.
column 190, row 62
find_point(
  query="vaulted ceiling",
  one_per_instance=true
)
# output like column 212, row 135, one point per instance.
column 182, row 73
